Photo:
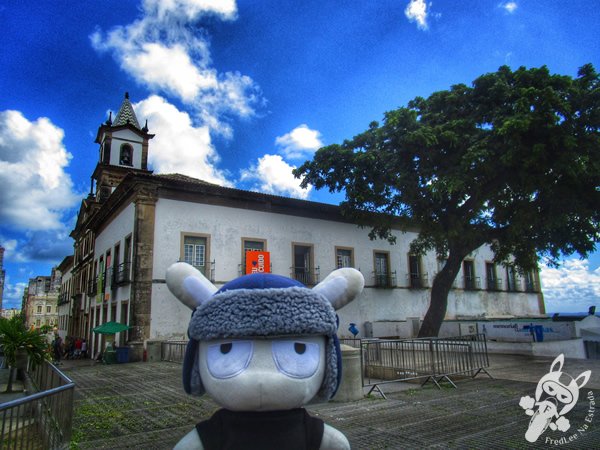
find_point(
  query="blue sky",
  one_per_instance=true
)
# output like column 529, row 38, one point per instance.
column 239, row 93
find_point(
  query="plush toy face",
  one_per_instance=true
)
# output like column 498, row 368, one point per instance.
column 262, row 374
column 262, row 342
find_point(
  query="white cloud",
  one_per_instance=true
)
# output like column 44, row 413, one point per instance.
column 34, row 187
column 12, row 250
column 179, row 146
column 10, row 246
column 48, row 246
column 509, row 7
column 167, row 51
column 572, row 287
column 179, row 76
column 13, row 294
column 192, row 9
column 301, row 142
column 273, row 175
column 416, row 11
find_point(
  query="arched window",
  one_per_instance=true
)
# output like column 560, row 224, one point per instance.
column 126, row 157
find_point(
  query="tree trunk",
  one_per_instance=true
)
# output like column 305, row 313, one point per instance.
column 442, row 283
column 11, row 374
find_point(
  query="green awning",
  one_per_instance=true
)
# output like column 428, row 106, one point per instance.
column 111, row 328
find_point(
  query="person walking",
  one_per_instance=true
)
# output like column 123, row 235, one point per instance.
column 57, row 347
column 83, row 348
column 78, row 344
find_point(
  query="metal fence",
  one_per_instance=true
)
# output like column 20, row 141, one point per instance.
column 390, row 360
column 42, row 420
column 173, row 351
column 352, row 342
column 427, row 359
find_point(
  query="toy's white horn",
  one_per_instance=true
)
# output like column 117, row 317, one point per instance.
column 189, row 285
column 341, row 286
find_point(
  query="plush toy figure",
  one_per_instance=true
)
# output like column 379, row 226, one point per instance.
column 263, row 346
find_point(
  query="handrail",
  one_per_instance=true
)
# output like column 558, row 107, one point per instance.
column 36, row 396
column 43, row 419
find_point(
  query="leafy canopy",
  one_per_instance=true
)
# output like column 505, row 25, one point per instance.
column 513, row 161
column 14, row 336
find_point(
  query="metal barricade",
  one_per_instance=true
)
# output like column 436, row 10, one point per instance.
column 42, row 420
column 352, row 342
column 430, row 359
column 173, row 351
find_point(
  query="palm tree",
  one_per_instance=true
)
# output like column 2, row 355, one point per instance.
column 16, row 339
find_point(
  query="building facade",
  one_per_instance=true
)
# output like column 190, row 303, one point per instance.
column 8, row 313
column 67, row 306
column 40, row 301
column 135, row 224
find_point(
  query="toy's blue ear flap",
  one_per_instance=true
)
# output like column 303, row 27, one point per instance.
column 192, row 381
column 338, row 354
column 341, row 286
column 189, row 285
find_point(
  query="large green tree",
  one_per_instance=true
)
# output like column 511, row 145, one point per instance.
column 512, row 161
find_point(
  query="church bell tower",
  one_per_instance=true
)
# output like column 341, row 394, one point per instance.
column 123, row 149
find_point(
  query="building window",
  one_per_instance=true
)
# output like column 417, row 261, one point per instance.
column 382, row 277
column 470, row 281
column 493, row 283
column 195, row 249
column 126, row 156
column 511, row 279
column 251, row 245
column 39, row 309
column 344, row 257
column 125, row 321
column 127, row 249
column 48, row 309
column 530, row 284
column 416, row 278
column 303, row 266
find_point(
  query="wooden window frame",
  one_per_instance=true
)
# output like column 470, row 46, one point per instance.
column 335, row 254
column 312, row 268
column 183, row 235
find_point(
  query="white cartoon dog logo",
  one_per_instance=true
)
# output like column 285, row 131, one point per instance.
column 556, row 394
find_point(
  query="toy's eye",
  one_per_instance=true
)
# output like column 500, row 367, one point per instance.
column 296, row 359
column 225, row 348
column 228, row 359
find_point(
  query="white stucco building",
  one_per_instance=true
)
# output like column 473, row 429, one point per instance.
column 135, row 224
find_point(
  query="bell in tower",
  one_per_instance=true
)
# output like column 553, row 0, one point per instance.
column 123, row 149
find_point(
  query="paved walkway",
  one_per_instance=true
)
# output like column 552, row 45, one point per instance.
column 142, row 405
column 17, row 387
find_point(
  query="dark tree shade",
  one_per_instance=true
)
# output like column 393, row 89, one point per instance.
column 512, row 161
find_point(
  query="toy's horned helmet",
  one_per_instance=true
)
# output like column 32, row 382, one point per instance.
column 263, row 305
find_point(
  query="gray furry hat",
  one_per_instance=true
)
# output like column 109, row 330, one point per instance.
column 263, row 305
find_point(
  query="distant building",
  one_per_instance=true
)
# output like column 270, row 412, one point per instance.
column 68, row 309
column 135, row 224
column 40, row 300
column 10, row 312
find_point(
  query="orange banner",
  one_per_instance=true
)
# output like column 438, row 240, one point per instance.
column 258, row 262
